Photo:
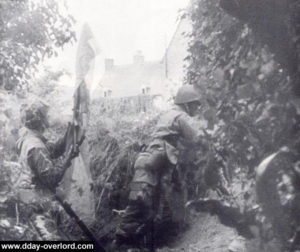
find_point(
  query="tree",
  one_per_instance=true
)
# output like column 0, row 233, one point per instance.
column 245, row 62
column 29, row 32
column 247, row 87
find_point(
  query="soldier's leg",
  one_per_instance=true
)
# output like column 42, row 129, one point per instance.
column 46, row 221
column 137, row 220
column 45, row 227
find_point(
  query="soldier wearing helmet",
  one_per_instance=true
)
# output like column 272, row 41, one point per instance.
column 38, row 172
column 173, row 135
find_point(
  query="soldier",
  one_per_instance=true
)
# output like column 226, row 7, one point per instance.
column 173, row 135
column 39, row 176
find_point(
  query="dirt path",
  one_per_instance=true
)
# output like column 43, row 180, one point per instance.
column 207, row 234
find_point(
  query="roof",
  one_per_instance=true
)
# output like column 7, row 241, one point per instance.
column 128, row 80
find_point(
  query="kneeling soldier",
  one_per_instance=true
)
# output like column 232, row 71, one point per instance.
column 173, row 135
column 39, row 176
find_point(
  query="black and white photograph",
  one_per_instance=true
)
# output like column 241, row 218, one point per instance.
column 150, row 125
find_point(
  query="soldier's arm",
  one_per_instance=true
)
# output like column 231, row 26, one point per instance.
column 58, row 148
column 44, row 168
column 187, row 130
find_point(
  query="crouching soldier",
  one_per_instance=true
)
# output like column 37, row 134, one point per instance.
column 173, row 135
column 39, row 176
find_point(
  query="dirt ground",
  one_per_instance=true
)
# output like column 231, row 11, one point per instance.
column 207, row 234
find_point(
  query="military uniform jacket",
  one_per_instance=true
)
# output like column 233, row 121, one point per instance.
column 37, row 171
column 175, row 127
column 173, row 135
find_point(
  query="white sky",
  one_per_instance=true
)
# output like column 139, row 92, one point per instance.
column 122, row 27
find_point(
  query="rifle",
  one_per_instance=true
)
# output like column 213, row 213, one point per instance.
column 74, row 137
column 78, row 132
column 103, row 189
column 68, row 209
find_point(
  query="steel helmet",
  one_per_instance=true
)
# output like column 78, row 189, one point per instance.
column 34, row 115
column 186, row 94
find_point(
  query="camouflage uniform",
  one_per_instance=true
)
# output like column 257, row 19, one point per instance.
column 37, row 176
column 174, row 134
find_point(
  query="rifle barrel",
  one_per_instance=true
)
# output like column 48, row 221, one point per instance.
column 80, row 223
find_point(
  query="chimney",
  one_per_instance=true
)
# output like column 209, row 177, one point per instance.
column 109, row 64
column 138, row 58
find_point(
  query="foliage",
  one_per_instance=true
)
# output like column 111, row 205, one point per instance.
column 115, row 137
column 14, row 224
column 276, row 22
column 29, row 32
column 47, row 83
column 247, row 84
column 247, row 92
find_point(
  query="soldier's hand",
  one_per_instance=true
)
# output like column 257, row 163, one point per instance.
column 74, row 154
column 70, row 156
